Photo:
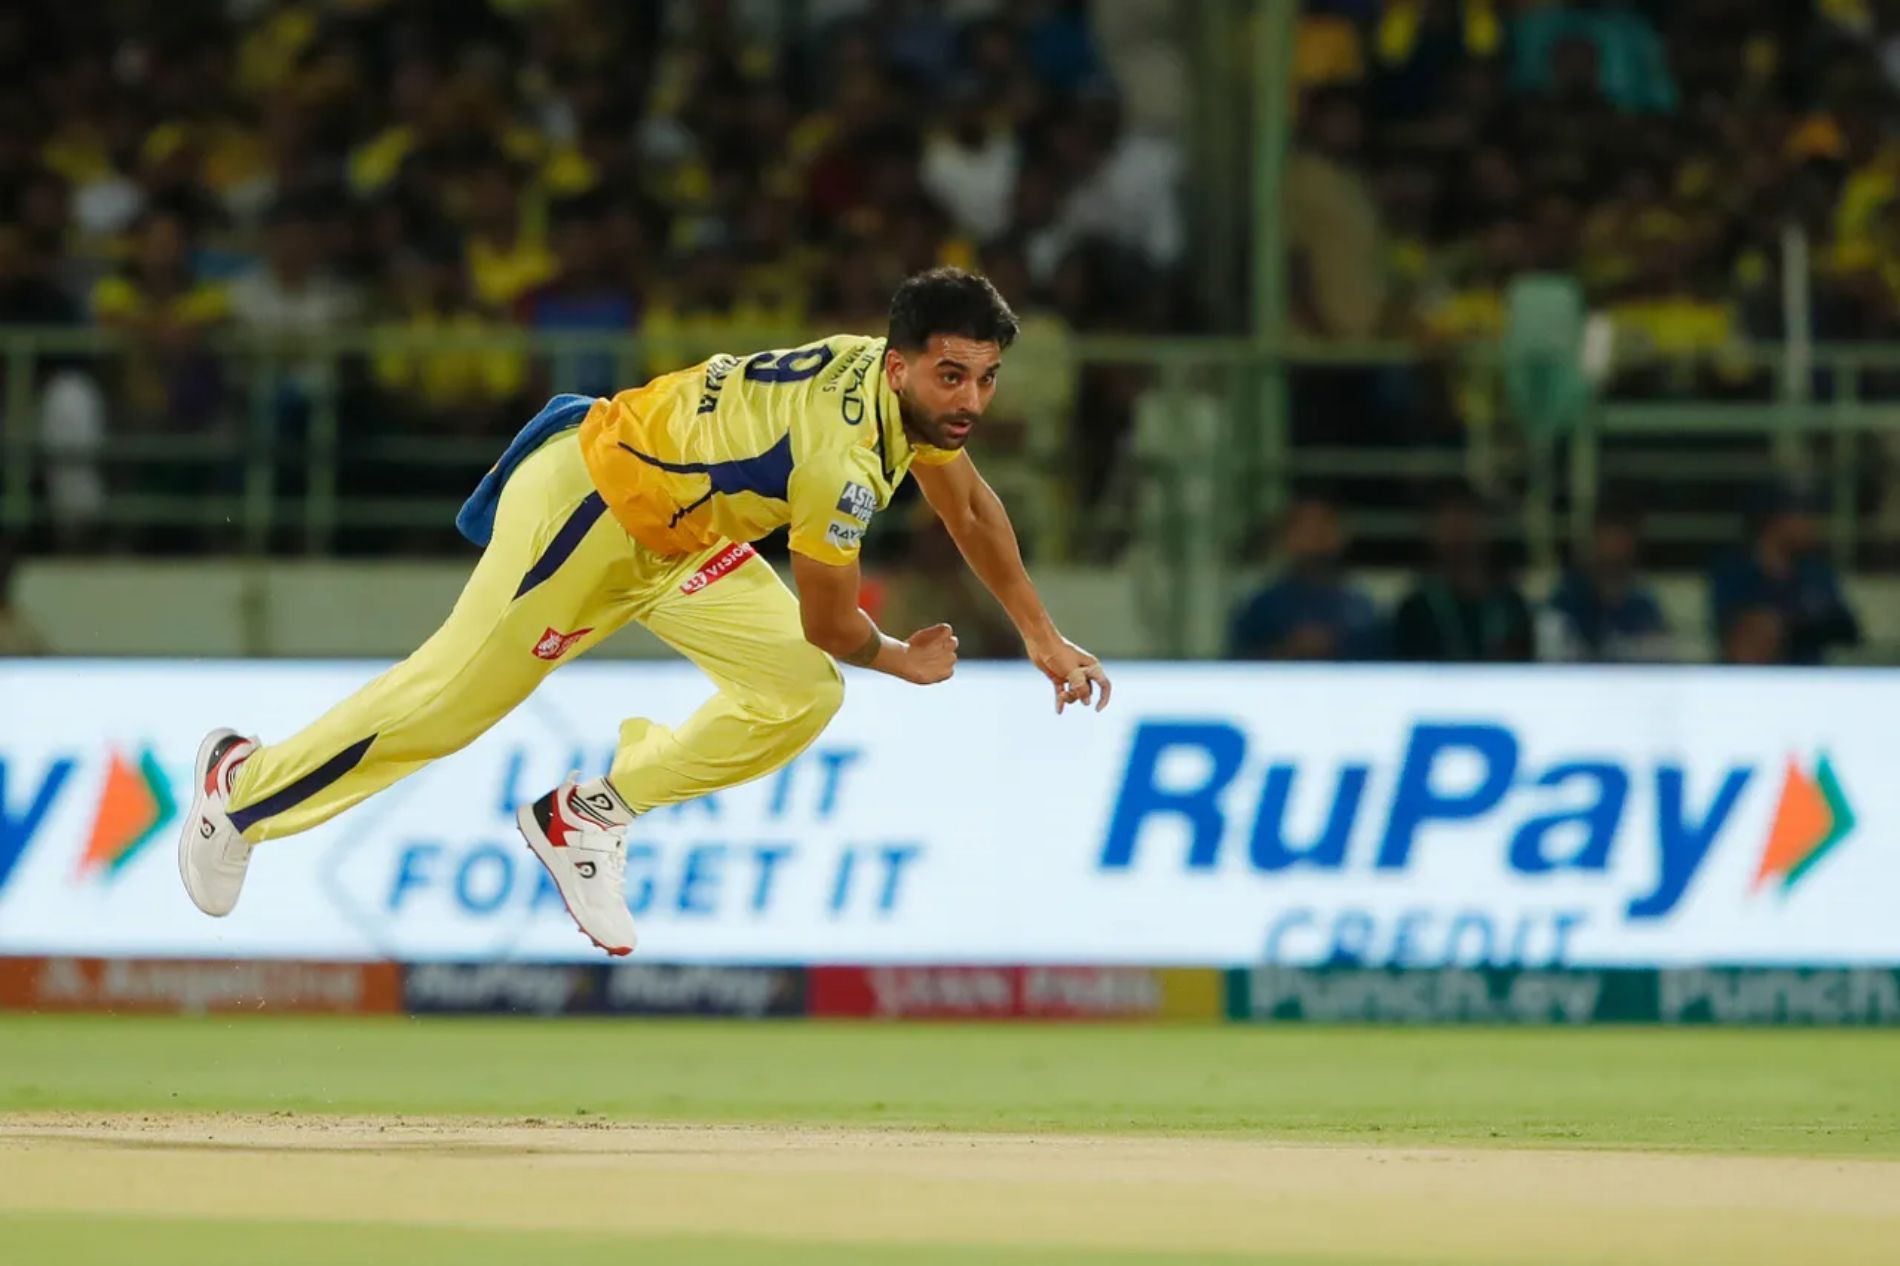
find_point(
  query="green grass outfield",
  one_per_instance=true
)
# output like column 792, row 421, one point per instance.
column 146, row 1242
column 1777, row 1091
column 1698, row 1095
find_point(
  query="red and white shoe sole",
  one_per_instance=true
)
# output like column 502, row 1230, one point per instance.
column 531, row 835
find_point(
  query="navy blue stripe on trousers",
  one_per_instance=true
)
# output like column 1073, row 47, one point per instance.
column 304, row 788
column 565, row 541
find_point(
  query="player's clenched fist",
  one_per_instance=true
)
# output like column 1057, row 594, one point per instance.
column 930, row 655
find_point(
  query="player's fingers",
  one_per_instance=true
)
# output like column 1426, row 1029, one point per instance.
column 1095, row 671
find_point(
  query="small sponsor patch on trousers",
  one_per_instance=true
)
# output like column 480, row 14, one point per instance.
column 554, row 644
column 719, row 566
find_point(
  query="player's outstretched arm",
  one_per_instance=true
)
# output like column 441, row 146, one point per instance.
column 833, row 622
column 980, row 526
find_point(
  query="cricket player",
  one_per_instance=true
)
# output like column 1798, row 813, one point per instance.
column 643, row 507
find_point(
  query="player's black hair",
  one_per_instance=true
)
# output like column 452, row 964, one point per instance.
column 949, row 301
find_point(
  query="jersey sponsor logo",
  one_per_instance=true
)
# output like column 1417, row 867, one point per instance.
column 859, row 502
column 718, row 567
column 845, row 535
column 852, row 404
column 554, row 644
column 717, row 368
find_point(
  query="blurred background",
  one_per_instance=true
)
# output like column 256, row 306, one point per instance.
column 1500, row 330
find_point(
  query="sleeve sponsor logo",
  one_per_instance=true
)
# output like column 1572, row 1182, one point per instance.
column 844, row 535
column 858, row 501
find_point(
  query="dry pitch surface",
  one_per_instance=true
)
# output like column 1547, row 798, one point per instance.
column 288, row 1185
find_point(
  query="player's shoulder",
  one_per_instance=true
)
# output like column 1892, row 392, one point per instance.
column 846, row 344
column 837, row 345
column 839, row 404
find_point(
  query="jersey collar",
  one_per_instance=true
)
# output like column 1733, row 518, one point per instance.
column 893, row 446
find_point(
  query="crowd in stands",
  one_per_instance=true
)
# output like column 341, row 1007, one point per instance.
column 1651, row 157
column 1652, row 149
column 704, row 173
column 1774, row 600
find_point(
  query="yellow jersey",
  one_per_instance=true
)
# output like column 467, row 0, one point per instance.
column 735, row 447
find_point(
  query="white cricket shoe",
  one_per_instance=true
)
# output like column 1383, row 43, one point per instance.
column 212, row 856
column 579, row 831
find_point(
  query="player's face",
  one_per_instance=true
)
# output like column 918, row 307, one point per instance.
column 945, row 388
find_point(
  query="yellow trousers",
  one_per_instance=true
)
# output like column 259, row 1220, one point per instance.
column 558, row 576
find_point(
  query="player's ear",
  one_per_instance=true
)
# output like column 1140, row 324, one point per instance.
column 895, row 368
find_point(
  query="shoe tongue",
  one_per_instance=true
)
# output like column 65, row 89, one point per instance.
column 597, row 802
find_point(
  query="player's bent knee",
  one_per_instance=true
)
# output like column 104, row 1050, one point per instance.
column 827, row 696
column 803, row 715
column 795, row 707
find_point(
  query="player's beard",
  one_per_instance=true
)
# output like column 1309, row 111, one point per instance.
column 938, row 430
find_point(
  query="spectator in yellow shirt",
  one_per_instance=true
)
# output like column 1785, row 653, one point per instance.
column 166, row 310
column 446, row 388
column 508, row 251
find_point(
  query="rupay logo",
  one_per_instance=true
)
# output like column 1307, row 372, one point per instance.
column 1429, row 791
column 22, row 811
column 1812, row 817
column 135, row 804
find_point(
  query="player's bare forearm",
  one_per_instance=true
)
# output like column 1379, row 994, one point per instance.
column 988, row 543
column 870, row 647
column 978, row 522
column 832, row 621
column 865, row 656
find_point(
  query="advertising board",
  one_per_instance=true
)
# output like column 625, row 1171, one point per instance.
column 1214, row 815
